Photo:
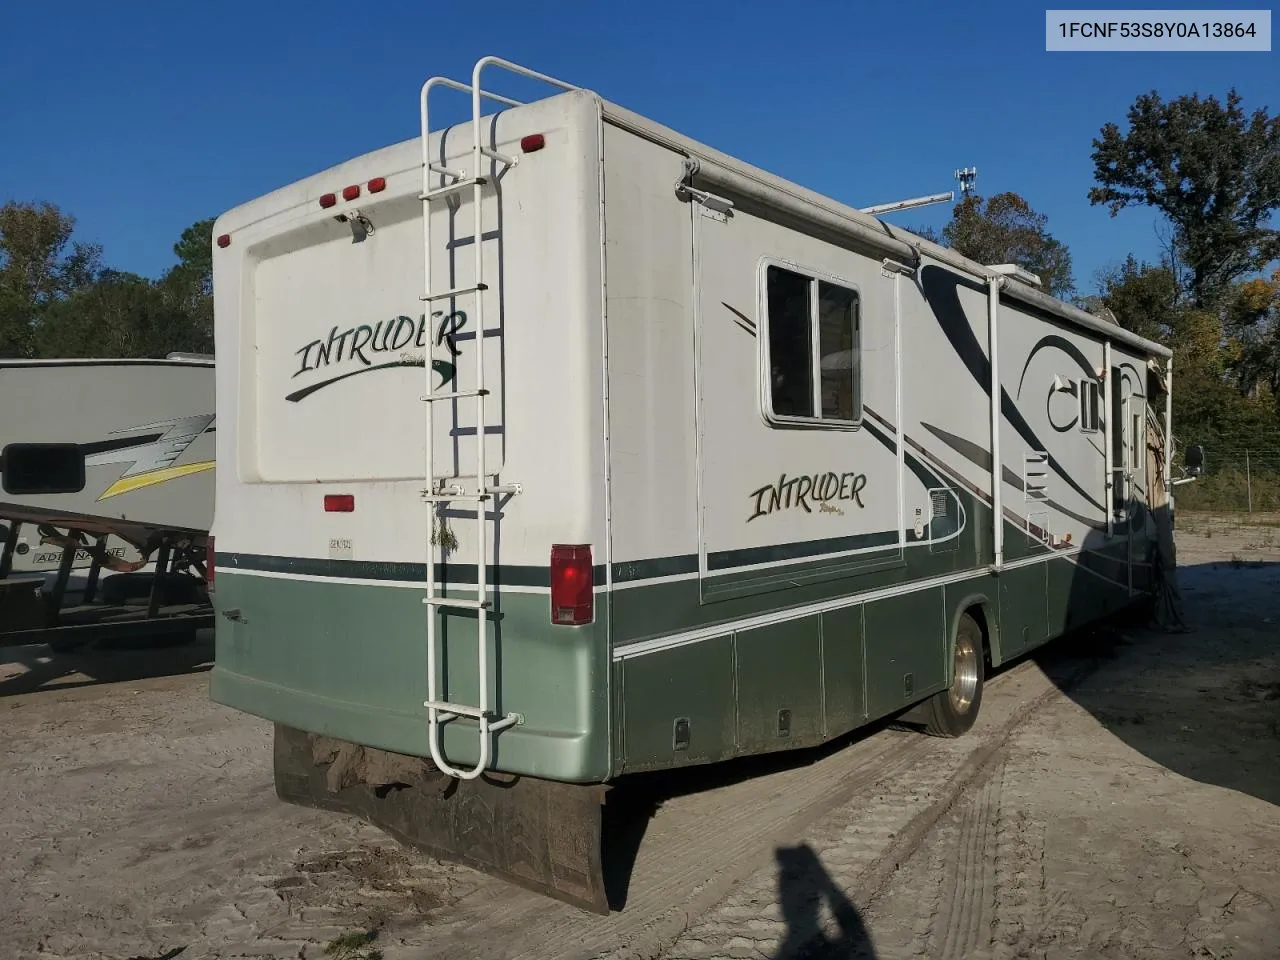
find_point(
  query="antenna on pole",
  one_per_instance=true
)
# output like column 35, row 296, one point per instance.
column 968, row 177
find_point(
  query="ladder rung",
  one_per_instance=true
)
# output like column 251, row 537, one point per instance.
column 460, row 709
column 500, row 157
column 512, row 488
column 455, row 292
column 454, row 395
column 446, row 171
column 461, row 604
column 450, row 189
column 451, row 497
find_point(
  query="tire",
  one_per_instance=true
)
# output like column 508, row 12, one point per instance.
column 953, row 711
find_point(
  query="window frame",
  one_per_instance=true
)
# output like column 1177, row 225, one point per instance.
column 1136, row 423
column 815, row 276
column 1094, row 409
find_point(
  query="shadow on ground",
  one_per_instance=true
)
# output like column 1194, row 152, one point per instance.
column 1204, row 704
column 804, row 889
column 629, row 810
column 32, row 668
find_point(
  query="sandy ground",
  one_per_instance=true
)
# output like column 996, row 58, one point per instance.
column 1119, row 797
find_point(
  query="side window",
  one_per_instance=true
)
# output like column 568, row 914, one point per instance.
column 41, row 468
column 813, row 349
column 1137, row 441
column 1090, row 407
column 790, row 344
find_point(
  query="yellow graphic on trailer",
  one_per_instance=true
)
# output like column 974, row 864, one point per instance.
column 151, row 456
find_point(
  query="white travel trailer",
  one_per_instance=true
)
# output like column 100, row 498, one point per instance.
column 105, row 464
column 557, row 446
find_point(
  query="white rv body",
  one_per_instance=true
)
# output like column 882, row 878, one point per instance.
column 764, row 419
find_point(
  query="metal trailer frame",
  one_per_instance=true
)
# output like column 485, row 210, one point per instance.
column 176, row 551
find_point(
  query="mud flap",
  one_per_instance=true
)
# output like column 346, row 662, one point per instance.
column 540, row 834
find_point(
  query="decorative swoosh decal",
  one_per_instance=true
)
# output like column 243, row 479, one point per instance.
column 1067, row 347
column 741, row 319
column 939, row 288
column 151, row 478
column 981, row 458
column 442, row 367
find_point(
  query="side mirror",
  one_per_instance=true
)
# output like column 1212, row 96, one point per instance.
column 1193, row 461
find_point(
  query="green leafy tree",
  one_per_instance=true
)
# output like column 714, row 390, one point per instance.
column 1140, row 297
column 1212, row 169
column 125, row 315
column 40, row 265
column 119, row 315
column 1004, row 229
column 188, row 285
column 1252, row 321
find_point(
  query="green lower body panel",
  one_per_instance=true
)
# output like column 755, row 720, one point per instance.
column 349, row 660
column 906, row 643
column 812, row 677
column 679, row 705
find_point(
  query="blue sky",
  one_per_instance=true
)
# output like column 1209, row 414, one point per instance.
column 139, row 118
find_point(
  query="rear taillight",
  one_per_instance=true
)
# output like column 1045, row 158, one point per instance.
column 572, row 599
column 208, row 564
column 339, row 502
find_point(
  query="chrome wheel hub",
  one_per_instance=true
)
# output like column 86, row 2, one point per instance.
column 964, row 677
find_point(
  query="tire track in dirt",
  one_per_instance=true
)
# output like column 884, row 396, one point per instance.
column 684, row 867
column 967, row 888
column 862, row 847
column 206, row 778
column 1020, row 906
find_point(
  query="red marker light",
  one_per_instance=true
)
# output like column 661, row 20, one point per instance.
column 339, row 502
column 572, row 598
column 328, row 200
column 377, row 184
column 224, row 241
column 351, row 192
column 533, row 143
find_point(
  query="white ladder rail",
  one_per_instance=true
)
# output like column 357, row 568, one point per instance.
column 440, row 711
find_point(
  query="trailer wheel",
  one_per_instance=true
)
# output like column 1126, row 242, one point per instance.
column 953, row 711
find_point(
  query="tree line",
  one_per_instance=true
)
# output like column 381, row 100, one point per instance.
column 58, row 299
column 1210, row 168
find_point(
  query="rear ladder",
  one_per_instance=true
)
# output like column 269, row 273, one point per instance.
column 452, row 182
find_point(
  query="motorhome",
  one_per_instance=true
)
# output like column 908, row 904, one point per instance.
column 556, row 446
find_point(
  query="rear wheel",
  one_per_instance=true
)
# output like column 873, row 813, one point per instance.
column 953, row 711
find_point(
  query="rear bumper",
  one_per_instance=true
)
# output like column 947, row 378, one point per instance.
column 546, row 755
column 348, row 660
